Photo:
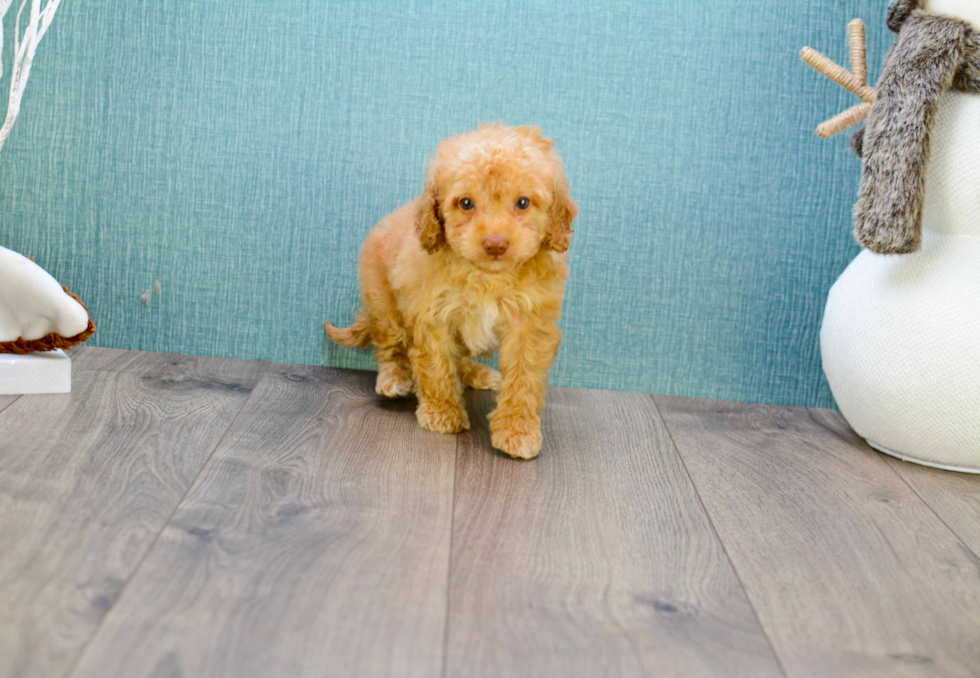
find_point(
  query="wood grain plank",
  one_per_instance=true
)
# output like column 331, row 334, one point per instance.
column 850, row 573
column 315, row 543
column 954, row 497
column 596, row 559
column 91, row 358
column 87, row 482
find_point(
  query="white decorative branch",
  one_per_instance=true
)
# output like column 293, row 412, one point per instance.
column 4, row 6
column 24, row 48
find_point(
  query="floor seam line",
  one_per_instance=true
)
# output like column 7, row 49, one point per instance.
column 724, row 549
column 449, row 566
column 929, row 506
column 84, row 649
column 19, row 396
column 884, row 458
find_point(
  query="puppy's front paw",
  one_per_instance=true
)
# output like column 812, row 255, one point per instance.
column 517, row 437
column 393, row 383
column 442, row 418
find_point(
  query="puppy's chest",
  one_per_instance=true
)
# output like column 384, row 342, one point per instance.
column 477, row 320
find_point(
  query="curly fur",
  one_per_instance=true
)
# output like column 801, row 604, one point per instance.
column 932, row 54
column 434, row 294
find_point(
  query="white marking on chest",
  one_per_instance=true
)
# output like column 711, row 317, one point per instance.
column 477, row 329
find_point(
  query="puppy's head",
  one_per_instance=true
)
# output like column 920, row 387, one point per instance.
column 495, row 197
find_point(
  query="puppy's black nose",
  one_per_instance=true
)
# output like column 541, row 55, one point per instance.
column 495, row 245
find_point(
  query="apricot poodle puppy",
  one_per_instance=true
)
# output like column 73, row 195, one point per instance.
column 474, row 264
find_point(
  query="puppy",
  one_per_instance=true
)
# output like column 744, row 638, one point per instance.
column 475, row 264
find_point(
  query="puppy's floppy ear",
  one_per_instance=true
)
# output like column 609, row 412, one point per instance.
column 563, row 211
column 428, row 220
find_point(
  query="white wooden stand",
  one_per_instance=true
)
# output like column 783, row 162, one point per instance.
column 48, row 372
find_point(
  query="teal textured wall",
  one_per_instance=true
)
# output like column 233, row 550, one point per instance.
column 238, row 152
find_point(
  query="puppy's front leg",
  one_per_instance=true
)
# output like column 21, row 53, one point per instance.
column 437, row 384
column 526, row 351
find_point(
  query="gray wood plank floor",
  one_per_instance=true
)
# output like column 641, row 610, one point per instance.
column 181, row 517
column 849, row 571
column 955, row 497
column 88, row 481
column 316, row 543
column 595, row 560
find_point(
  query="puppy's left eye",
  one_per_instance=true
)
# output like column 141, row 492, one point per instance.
column 523, row 203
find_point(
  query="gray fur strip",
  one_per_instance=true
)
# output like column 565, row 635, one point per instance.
column 968, row 77
column 922, row 64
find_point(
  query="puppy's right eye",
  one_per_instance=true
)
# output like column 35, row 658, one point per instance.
column 466, row 204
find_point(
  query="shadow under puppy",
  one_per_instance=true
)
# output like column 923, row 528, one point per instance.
column 472, row 265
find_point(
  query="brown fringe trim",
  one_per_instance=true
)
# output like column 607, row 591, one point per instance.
column 51, row 341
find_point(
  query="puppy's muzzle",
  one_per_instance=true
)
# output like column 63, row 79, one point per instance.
column 495, row 245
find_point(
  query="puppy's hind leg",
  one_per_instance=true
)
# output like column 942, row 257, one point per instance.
column 394, row 369
column 477, row 375
column 391, row 352
column 387, row 328
column 394, row 372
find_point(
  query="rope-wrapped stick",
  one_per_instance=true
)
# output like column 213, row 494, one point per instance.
column 859, row 52
column 843, row 121
column 855, row 80
column 838, row 74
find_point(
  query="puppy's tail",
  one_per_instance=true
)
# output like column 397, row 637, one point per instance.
column 357, row 335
